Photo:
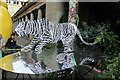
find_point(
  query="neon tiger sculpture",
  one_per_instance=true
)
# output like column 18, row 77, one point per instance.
column 45, row 32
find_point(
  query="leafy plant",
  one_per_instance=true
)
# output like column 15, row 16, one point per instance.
column 113, row 69
column 108, row 44
column 106, row 39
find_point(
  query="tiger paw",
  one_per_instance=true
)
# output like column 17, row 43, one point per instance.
column 25, row 50
column 37, row 52
column 61, row 58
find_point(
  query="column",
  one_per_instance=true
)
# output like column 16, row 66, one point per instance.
column 31, row 18
column 22, row 18
column 54, row 11
column 15, row 23
column 19, row 20
column 26, row 17
column 19, row 3
column 73, row 11
column 39, row 14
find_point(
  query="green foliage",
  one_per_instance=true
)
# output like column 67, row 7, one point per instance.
column 108, row 44
column 105, row 38
column 113, row 69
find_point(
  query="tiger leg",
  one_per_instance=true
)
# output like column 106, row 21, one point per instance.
column 39, row 47
column 68, row 45
column 67, row 49
column 66, row 58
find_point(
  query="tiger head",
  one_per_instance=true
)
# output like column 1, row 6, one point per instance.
column 20, row 30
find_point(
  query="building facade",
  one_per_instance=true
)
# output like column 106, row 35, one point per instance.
column 13, row 6
column 36, row 10
column 89, row 13
column 53, row 11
